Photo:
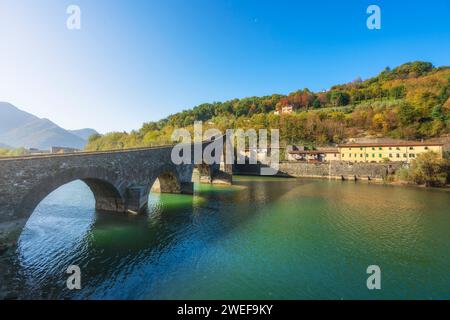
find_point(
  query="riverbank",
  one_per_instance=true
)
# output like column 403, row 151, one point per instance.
column 340, row 170
column 385, row 173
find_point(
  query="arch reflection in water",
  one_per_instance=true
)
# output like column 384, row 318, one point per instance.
column 66, row 229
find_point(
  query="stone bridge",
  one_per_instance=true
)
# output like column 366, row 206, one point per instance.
column 120, row 181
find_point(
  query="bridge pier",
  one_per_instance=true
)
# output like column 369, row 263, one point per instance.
column 136, row 199
column 214, row 174
column 10, row 232
column 187, row 187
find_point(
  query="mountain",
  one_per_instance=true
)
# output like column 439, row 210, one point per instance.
column 4, row 146
column 22, row 129
column 11, row 117
column 84, row 133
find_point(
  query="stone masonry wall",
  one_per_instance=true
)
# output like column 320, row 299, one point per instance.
column 339, row 170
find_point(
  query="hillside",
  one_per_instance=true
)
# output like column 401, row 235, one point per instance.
column 411, row 101
column 19, row 129
column 12, row 117
column 84, row 133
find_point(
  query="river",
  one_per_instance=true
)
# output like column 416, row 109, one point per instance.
column 262, row 238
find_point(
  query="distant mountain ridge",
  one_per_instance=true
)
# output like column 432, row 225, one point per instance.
column 83, row 133
column 22, row 129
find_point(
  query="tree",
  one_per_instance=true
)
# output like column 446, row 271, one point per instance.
column 94, row 137
column 429, row 168
column 316, row 103
column 438, row 113
column 407, row 114
column 397, row 92
column 339, row 98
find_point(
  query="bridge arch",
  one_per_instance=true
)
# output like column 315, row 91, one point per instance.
column 166, row 182
column 104, row 185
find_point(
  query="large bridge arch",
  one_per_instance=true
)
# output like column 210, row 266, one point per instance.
column 104, row 185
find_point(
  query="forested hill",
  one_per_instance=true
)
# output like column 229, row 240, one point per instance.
column 411, row 101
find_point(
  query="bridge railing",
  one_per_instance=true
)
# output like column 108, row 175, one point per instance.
column 87, row 153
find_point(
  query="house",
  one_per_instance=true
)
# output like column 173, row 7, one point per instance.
column 35, row 151
column 320, row 155
column 380, row 152
column 285, row 110
column 63, row 150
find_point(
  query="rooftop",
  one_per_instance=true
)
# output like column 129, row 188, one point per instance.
column 391, row 144
column 314, row 151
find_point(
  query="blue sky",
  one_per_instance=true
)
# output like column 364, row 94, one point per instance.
column 136, row 61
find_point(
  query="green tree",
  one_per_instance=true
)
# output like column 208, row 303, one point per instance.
column 397, row 92
column 339, row 98
column 430, row 169
column 438, row 113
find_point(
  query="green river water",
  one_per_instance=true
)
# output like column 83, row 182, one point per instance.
column 262, row 238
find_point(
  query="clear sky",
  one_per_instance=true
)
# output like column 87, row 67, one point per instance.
column 136, row 61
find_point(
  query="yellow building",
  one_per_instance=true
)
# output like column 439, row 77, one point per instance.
column 380, row 152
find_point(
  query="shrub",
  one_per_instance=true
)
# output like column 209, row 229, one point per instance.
column 430, row 169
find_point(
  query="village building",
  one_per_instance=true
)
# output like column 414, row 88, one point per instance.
column 285, row 110
column 387, row 152
column 320, row 155
column 63, row 150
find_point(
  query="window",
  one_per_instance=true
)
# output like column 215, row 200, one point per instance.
column 373, row 148
column 373, row 155
column 404, row 155
column 361, row 155
column 349, row 148
column 380, row 155
column 398, row 148
column 390, row 148
column 412, row 155
column 380, row 148
column 426, row 148
column 398, row 155
column 349, row 155
column 390, row 155
column 411, row 148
